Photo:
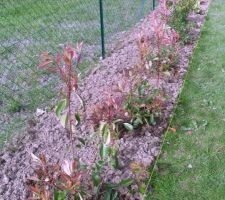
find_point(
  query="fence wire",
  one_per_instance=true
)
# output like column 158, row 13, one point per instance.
column 30, row 27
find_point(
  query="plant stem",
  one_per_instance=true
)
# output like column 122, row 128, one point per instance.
column 69, row 111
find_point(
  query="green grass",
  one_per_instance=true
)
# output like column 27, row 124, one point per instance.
column 30, row 27
column 201, row 109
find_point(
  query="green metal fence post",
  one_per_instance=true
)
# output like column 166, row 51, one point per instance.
column 153, row 4
column 102, row 28
column 142, row 9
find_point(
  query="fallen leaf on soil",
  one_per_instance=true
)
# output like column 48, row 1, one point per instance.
column 166, row 73
column 174, row 130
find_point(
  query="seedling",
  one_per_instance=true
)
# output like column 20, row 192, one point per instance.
column 65, row 65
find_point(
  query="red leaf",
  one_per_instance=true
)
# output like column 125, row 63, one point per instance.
column 58, row 58
column 52, row 69
column 35, row 189
column 62, row 74
column 67, row 57
column 44, row 64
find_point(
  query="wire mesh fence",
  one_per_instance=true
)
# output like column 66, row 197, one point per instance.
column 30, row 27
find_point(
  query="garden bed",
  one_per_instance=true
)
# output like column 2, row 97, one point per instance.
column 46, row 135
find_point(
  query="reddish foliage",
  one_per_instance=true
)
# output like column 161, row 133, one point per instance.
column 165, row 39
column 65, row 71
column 108, row 111
column 65, row 65
column 66, row 177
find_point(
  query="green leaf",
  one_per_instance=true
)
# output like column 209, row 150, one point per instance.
column 60, row 107
column 99, row 165
column 123, row 183
column 142, row 188
column 63, row 120
column 114, row 151
column 128, row 126
column 114, row 162
column 76, row 197
column 107, row 136
column 142, row 87
column 104, row 151
column 114, row 195
column 82, row 141
column 59, row 195
column 96, row 179
column 77, row 117
column 152, row 120
column 104, row 130
column 96, row 191
column 141, row 90
column 111, row 195
column 107, row 195
column 137, row 122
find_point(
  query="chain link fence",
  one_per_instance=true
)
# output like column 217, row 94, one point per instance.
column 29, row 27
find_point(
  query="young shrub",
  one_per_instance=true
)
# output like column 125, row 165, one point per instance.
column 54, row 181
column 107, row 190
column 144, row 106
column 178, row 19
column 159, row 53
column 105, row 119
column 66, row 181
column 108, row 157
column 108, row 111
column 143, row 44
column 108, row 118
column 165, row 55
column 110, row 191
column 65, row 65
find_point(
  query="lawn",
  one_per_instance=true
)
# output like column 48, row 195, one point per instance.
column 30, row 27
column 192, row 163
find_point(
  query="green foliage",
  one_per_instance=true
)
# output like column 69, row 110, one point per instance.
column 59, row 195
column 144, row 106
column 139, row 107
column 108, row 155
column 179, row 20
column 108, row 191
column 128, row 126
column 60, row 107
column 108, row 151
column 111, row 192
